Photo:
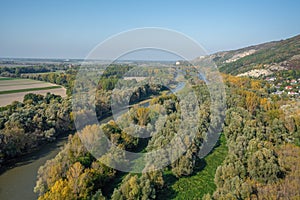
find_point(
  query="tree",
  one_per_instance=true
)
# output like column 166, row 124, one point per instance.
column 73, row 176
column 59, row 190
column 134, row 187
column 98, row 196
column 184, row 165
column 263, row 166
column 141, row 116
column 289, row 187
column 251, row 101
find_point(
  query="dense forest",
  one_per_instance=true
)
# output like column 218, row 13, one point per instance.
column 255, row 158
column 24, row 126
column 149, row 100
column 39, row 119
column 261, row 162
column 263, row 144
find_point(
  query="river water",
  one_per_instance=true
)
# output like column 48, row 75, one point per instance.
column 18, row 182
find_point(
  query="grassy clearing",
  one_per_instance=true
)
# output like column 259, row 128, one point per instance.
column 202, row 182
column 29, row 89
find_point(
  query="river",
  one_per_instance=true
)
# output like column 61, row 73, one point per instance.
column 17, row 182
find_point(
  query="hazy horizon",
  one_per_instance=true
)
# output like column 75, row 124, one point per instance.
column 71, row 29
column 138, row 59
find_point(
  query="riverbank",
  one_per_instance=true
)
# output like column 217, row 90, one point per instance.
column 18, row 178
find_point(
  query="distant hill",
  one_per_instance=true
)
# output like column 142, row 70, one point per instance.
column 262, row 59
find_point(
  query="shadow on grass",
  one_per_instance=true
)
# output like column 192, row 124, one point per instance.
column 167, row 192
column 200, row 165
column 201, row 181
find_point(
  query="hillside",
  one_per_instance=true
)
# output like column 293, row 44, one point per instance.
column 262, row 59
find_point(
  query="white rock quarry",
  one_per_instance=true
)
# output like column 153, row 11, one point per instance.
column 257, row 73
column 240, row 55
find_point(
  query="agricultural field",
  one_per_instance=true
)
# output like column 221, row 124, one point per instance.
column 13, row 89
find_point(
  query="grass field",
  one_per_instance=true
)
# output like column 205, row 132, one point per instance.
column 14, row 89
column 29, row 89
column 202, row 182
column 5, row 79
column 17, row 81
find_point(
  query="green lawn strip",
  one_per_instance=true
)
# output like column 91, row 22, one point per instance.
column 8, row 79
column 29, row 89
column 202, row 182
column 32, row 83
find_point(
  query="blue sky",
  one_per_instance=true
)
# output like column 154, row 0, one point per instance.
column 71, row 28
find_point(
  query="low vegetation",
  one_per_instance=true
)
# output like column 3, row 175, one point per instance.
column 200, row 182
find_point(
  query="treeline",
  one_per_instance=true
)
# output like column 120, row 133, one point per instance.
column 17, row 71
column 120, row 70
column 25, row 126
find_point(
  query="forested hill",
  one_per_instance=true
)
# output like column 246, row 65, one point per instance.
column 263, row 58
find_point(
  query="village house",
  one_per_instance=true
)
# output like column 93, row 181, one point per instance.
column 271, row 79
column 293, row 81
column 289, row 87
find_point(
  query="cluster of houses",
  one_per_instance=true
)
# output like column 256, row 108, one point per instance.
column 290, row 87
